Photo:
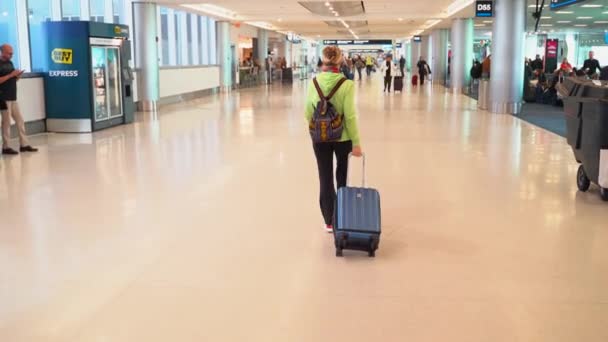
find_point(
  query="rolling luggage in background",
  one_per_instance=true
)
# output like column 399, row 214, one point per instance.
column 357, row 222
column 398, row 81
column 415, row 80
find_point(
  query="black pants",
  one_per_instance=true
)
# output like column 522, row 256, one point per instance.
column 422, row 76
column 402, row 68
column 325, row 162
column 359, row 70
column 388, row 80
column 369, row 70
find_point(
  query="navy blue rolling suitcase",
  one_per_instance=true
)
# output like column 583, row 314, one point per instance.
column 357, row 222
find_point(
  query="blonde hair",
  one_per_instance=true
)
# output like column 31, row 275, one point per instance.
column 332, row 56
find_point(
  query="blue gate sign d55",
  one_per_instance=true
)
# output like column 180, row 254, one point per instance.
column 484, row 9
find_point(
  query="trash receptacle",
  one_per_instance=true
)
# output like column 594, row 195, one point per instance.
column 586, row 110
column 483, row 97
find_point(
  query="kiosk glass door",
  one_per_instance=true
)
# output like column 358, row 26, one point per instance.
column 107, row 99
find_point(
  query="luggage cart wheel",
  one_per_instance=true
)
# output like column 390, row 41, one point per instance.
column 339, row 252
column 604, row 194
column 372, row 254
column 582, row 180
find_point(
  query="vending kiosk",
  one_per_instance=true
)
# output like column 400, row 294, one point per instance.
column 88, row 81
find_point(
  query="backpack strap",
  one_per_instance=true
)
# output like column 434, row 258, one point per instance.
column 319, row 91
column 333, row 91
column 336, row 88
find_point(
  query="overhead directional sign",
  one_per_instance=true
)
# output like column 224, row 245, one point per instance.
column 358, row 42
column 555, row 4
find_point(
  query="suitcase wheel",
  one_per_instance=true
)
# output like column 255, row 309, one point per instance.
column 372, row 254
column 582, row 181
column 604, row 194
column 339, row 252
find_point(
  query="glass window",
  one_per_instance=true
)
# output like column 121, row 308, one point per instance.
column 39, row 12
column 8, row 27
column 164, row 34
column 70, row 10
column 203, row 40
column 212, row 42
column 178, row 35
column 189, row 37
column 119, row 12
column 97, row 10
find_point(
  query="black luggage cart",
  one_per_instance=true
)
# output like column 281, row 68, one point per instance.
column 586, row 110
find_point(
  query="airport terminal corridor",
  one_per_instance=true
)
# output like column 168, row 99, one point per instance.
column 202, row 223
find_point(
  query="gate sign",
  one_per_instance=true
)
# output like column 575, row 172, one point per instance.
column 484, row 9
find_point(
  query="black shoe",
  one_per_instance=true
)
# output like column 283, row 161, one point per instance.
column 9, row 151
column 28, row 148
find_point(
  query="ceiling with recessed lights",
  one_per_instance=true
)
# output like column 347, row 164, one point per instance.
column 384, row 18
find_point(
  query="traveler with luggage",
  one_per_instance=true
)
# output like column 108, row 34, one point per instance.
column 402, row 65
column 332, row 119
column 389, row 70
column 423, row 70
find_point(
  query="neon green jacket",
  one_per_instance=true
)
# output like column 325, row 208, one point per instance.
column 343, row 101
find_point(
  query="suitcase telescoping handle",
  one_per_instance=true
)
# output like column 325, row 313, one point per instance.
column 363, row 181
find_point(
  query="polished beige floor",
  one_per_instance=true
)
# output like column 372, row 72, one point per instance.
column 202, row 225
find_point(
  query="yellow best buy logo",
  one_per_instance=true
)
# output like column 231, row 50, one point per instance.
column 62, row 56
column 117, row 30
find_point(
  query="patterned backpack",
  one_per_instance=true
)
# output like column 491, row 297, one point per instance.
column 326, row 124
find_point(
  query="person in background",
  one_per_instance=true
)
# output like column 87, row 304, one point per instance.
column 486, row 67
column 537, row 64
column 344, row 102
column 592, row 66
column 565, row 68
column 402, row 65
column 369, row 64
column 389, row 71
column 423, row 69
column 359, row 65
column 604, row 74
column 8, row 102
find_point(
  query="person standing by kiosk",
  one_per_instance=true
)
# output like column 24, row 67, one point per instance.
column 8, row 102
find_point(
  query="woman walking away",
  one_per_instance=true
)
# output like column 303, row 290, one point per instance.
column 332, row 121
column 389, row 70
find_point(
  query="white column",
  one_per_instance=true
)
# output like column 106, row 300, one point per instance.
column 213, row 42
column 288, row 53
column 508, row 40
column 172, row 37
column 56, row 10
column 146, row 56
column 194, row 32
column 439, row 56
column 224, row 54
column 462, row 54
column 262, row 46
column 424, row 48
column 85, row 10
column 23, row 36
column 108, row 11
column 159, row 31
column 416, row 54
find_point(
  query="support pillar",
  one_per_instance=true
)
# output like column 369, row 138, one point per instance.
column 416, row 52
column 224, row 54
column 262, row 56
column 462, row 54
column 439, row 56
column 508, row 40
column 146, row 54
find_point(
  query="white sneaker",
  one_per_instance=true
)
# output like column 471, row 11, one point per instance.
column 328, row 228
